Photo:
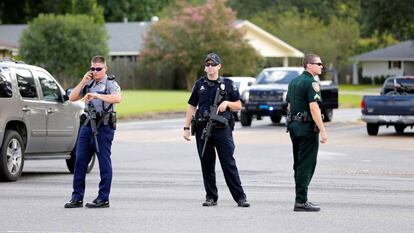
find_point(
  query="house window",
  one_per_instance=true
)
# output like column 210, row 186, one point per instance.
column 394, row 65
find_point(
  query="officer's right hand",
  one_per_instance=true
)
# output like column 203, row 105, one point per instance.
column 87, row 77
column 323, row 137
column 186, row 135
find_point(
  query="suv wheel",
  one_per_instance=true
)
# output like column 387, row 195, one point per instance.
column 399, row 128
column 372, row 129
column 276, row 118
column 245, row 119
column 327, row 115
column 70, row 163
column 11, row 156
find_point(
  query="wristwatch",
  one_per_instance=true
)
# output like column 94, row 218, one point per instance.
column 186, row 128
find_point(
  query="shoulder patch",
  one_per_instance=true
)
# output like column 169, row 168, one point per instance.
column 234, row 87
column 317, row 97
column 316, row 86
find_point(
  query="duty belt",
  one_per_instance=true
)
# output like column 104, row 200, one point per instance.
column 300, row 117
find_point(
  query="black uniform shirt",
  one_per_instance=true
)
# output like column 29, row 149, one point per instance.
column 204, row 91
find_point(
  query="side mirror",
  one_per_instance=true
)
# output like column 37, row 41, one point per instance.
column 66, row 96
column 249, row 84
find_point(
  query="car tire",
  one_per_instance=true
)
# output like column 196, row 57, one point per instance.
column 245, row 119
column 70, row 163
column 276, row 118
column 327, row 115
column 11, row 156
column 399, row 128
column 372, row 129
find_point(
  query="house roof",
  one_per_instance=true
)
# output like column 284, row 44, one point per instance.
column 127, row 38
column 403, row 51
column 124, row 38
column 265, row 43
column 10, row 34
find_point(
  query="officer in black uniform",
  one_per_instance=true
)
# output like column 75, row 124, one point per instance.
column 100, row 93
column 304, row 124
column 201, row 99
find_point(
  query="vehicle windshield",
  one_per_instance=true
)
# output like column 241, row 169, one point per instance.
column 276, row 76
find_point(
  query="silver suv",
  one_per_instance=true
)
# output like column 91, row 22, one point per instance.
column 36, row 119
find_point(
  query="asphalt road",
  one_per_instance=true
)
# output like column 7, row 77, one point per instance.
column 363, row 184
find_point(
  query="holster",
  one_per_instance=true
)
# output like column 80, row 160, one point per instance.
column 193, row 126
column 112, row 120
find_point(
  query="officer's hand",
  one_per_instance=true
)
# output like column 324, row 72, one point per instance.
column 223, row 106
column 89, row 96
column 87, row 77
column 186, row 135
column 323, row 137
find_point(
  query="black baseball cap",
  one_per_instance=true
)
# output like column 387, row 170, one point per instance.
column 213, row 57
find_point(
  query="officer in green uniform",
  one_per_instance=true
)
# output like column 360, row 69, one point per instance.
column 304, row 124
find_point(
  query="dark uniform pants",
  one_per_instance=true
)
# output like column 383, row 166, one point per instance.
column 222, row 140
column 85, row 149
column 305, row 150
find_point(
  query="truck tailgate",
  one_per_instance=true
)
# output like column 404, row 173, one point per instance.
column 388, row 105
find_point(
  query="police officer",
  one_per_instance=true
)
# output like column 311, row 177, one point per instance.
column 305, row 124
column 100, row 93
column 201, row 99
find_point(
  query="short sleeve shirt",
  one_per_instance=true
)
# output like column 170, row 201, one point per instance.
column 204, row 92
column 302, row 90
column 105, row 86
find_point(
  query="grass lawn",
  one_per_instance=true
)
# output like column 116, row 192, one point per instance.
column 142, row 102
column 350, row 95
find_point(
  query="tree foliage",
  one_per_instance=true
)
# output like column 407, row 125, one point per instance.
column 23, row 11
column 333, row 41
column 193, row 31
column 133, row 10
column 393, row 17
column 63, row 44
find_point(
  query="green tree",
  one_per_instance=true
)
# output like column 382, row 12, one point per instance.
column 133, row 10
column 322, row 9
column 63, row 44
column 333, row 41
column 193, row 31
column 376, row 41
column 23, row 11
column 384, row 16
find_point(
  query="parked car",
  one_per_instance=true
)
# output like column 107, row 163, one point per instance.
column 243, row 84
column 37, row 121
column 393, row 107
column 267, row 97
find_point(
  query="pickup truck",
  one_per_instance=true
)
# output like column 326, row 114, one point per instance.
column 37, row 121
column 267, row 96
column 393, row 107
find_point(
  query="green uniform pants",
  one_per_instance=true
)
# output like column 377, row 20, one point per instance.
column 305, row 150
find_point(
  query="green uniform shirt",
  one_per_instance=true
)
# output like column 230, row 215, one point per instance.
column 303, row 90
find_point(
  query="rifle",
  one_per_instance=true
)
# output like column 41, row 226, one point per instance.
column 213, row 118
column 92, row 119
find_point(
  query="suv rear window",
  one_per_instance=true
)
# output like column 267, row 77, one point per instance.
column 5, row 88
column 25, row 81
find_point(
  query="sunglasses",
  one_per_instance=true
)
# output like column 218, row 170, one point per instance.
column 317, row 63
column 211, row 64
column 96, row 69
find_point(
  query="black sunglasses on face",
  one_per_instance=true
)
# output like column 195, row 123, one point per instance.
column 211, row 64
column 97, row 69
column 317, row 63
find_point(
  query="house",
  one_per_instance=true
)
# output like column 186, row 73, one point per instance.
column 126, row 40
column 393, row 60
column 267, row 45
